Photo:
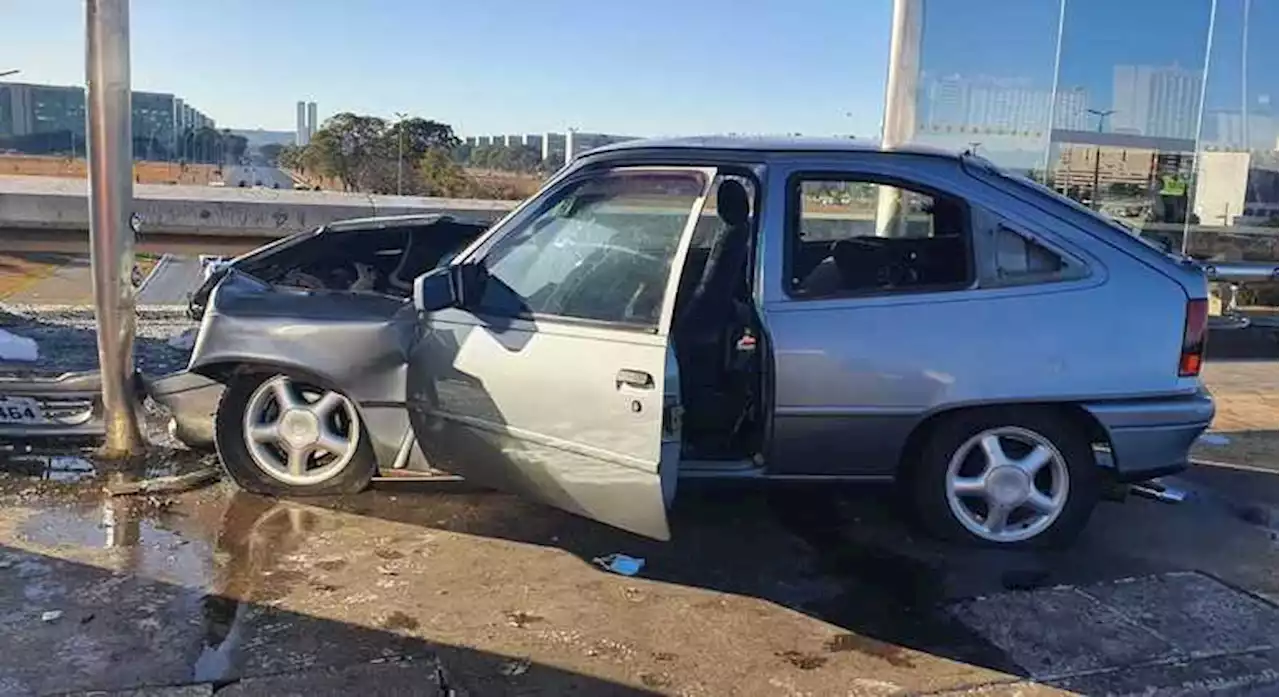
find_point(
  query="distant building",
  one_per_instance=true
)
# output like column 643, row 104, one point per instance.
column 1162, row 102
column 311, row 121
column 995, row 106
column 1237, row 188
column 301, row 134
column 552, row 146
column 258, row 137
column 158, row 118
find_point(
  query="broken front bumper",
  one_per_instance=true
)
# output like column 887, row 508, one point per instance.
column 192, row 400
column 63, row 407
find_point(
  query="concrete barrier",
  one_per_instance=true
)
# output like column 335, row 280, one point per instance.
column 54, row 204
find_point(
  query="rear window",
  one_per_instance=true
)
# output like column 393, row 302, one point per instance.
column 1036, row 190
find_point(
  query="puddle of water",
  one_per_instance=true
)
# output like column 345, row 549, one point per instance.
column 144, row 545
column 64, row 469
column 225, row 567
column 75, row 467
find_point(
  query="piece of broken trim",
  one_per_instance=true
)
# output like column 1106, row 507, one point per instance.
column 170, row 484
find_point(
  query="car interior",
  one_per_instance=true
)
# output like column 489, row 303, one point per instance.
column 716, row 333
column 930, row 253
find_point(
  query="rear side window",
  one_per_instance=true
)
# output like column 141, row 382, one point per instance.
column 858, row 236
column 1020, row 258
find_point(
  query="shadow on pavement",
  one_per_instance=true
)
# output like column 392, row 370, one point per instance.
column 71, row 626
column 1251, row 343
column 790, row 546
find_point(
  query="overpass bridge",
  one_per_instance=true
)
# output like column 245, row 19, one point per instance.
column 52, row 214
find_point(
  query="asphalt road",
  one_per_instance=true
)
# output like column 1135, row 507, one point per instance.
column 269, row 177
column 172, row 279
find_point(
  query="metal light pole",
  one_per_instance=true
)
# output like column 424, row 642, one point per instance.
column 899, row 106
column 110, row 152
column 400, row 153
column 1102, row 115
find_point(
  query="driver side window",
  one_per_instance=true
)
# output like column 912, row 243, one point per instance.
column 598, row 249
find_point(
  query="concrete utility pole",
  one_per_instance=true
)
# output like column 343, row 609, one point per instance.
column 899, row 106
column 110, row 152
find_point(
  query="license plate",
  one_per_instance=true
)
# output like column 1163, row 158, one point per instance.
column 20, row 410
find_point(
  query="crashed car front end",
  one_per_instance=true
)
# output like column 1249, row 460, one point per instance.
column 356, row 342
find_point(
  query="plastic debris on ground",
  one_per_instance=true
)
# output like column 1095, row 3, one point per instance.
column 183, row 341
column 51, row 615
column 17, row 348
column 620, row 564
column 1214, row 439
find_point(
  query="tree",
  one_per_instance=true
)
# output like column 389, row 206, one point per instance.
column 419, row 136
column 347, row 147
column 441, row 176
column 272, row 153
column 515, row 158
column 234, row 146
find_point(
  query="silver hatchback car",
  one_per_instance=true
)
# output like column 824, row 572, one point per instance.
column 799, row 310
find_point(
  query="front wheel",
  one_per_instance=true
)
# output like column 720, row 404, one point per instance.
column 1006, row 478
column 286, row 435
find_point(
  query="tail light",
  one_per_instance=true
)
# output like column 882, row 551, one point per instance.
column 1194, row 334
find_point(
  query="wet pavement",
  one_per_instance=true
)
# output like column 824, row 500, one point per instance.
column 439, row 588
column 422, row 588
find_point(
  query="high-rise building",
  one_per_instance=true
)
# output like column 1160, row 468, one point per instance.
column 159, row 119
column 997, row 106
column 1161, row 102
column 311, row 120
column 302, row 134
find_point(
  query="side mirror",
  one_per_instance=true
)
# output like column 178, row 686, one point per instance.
column 434, row 290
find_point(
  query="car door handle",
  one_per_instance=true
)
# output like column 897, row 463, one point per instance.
column 634, row 378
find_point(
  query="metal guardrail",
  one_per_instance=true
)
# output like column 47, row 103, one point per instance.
column 1228, row 275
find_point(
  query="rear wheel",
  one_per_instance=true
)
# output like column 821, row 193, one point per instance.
column 1006, row 478
column 286, row 435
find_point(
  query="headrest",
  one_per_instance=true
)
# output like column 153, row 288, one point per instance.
column 732, row 203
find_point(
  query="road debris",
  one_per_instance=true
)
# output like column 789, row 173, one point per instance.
column 18, row 348
column 619, row 564
column 513, row 668
column 1214, row 439
column 184, row 340
column 121, row 486
column 51, row 616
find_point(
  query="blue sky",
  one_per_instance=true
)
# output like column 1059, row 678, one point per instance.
column 650, row 68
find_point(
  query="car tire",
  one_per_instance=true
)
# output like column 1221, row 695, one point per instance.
column 1005, row 477
column 320, row 416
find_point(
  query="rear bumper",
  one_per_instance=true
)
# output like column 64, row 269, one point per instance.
column 70, row 403
column 1152, row 437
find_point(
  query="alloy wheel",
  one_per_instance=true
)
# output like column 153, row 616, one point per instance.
column 300, row 434
column 1007, row 484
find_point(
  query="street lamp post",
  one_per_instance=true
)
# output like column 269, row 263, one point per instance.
column 110, row 157
column 1102, row 115
column 400, row 153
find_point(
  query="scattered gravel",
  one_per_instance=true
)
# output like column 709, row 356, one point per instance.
column 68, row 338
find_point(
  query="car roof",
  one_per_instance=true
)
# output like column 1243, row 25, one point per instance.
column 767, row 144
column 396, row 221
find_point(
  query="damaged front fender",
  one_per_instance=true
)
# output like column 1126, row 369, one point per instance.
column 358, row 343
